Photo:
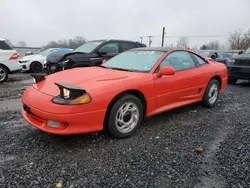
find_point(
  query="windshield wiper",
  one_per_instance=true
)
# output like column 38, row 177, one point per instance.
column 103, row 67
column 129, row 70
column 116, row 68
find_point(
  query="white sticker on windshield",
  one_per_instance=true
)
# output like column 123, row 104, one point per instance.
column 146, row 52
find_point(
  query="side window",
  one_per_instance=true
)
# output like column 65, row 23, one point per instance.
column 179, row 60
column 110, row 48
column 127, row 46
column 4, row 46
column 199, row 60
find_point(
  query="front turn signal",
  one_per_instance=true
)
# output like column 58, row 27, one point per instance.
column 84, row 99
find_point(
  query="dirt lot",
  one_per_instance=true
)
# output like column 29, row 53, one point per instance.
column 160, row 154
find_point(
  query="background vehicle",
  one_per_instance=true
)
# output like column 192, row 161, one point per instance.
column 240, row 67
column 91, row 53
column 35, row 63
column 217, row 56
column 8, row 61
column 117, row 95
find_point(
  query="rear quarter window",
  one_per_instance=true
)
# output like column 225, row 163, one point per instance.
column 4, row 46
column 127, row 46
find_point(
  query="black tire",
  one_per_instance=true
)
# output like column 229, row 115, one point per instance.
column 111, row 126
column 36, row 67
column 206, row 98
column 231, row 80
column 5, row 73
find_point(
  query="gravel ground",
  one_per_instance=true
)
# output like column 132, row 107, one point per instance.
column 160, row 154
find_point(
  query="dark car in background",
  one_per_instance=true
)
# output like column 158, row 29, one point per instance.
column 91, row 53
column 239, row 68
column 217, row 56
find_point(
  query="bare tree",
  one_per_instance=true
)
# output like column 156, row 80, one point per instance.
column 21, row 44
column 239, row 40
column 70, row 43
column 182, row 42
column 214, row 45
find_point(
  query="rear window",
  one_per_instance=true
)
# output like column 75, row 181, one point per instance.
column 127, row 46
column 4, row 46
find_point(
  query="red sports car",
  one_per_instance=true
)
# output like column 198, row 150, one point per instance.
column 119, row 94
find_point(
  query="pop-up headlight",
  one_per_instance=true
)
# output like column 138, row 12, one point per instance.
column 71, row 95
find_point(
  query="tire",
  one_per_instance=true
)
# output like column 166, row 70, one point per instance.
column 210, row 97
column 36, row 67
column 231, row 80
column 3, row 74
column 113, row 124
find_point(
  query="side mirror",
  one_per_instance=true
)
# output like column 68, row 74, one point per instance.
column 165, row 71
column 240, row 52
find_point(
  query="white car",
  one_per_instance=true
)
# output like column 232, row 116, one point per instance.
column 8, row 61
column 35, row 63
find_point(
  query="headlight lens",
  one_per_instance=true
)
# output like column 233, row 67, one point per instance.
column 23, row 61
column 66, row 93
column 71, row 95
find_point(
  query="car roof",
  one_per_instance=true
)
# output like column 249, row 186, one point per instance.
column 115, row 40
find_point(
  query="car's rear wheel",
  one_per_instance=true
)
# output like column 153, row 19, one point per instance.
column 212, row 93
column 231, row 80
column 125, row 116
column 36, row 67
column 3, row 74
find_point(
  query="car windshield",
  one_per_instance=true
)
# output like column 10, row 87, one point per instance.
column 88, row 47
column 139, row 61
column 247, row 51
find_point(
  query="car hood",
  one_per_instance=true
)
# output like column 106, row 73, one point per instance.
column 32, row 57
column 60, row 56
column 88, row 78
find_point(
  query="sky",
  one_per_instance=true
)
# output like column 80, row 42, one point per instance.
column 38, row 21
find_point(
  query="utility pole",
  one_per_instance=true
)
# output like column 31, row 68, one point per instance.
column 149, row 40
column 162, row 40
column 141, row 39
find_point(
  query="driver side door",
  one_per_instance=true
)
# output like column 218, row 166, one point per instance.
column 109, row 49
column 183, row 86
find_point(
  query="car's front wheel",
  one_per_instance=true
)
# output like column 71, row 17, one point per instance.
column 125, row 116
column 36, row 67
column 3, row 74
column 212, row 93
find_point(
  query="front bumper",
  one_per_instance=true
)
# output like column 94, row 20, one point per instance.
column 73, row 119
column 239, row 72
column 25, row 66
column 69, row 123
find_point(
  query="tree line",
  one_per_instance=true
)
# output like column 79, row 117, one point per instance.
column 237, row 40
column 66, row 43
column 70, row 43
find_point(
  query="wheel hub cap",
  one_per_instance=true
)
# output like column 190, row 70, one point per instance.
column 127, row 117
column 2, row 74
column 213, row 93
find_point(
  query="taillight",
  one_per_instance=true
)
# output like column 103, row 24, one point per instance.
column 14, row 56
